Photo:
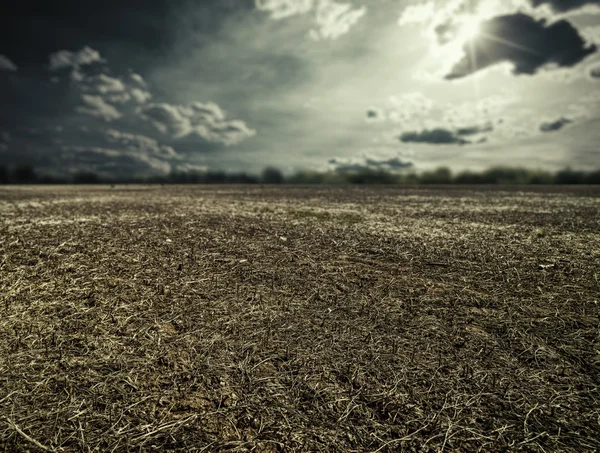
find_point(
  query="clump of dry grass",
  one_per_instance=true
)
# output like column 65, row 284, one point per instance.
column 195, row 319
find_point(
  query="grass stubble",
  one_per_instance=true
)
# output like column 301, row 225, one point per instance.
column 299, row 319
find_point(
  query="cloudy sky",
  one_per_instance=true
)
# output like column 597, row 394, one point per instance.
column 132, row 86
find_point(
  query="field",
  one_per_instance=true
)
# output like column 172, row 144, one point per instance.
column 232, row 318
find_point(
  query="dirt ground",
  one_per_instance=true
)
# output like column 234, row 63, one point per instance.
column 352, row 319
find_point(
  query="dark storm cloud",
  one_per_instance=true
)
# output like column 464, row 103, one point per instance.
column 6, row 64
column 34, row 28
column 523, row 41
column 555, row 125
column 5, row 139
column 562, row 6
column 59, row 126
column 394, row 163
column 130, row 32
column 375, row 115
column 349, row 168
column 438, row 136
column 110, row 153
column 110, row 162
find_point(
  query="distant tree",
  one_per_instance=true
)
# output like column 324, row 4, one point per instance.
column 332, row 177
column 3, row 174
column 242, row 178
column 371, row 177
column 24, row 174
column 568, row 176
column 86, row 177
column 468, row 177
column 540, row 177
column 52, row 179
column 272, row 175
column 216, row 177
column 409, row 178
column 505, row 175
column 158, row 179
column 442, row 175
column 307, row 177
column 593, row 177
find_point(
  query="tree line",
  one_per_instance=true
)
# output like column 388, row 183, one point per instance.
column 27, row 174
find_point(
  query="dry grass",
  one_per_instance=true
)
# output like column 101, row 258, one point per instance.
column 299, row 319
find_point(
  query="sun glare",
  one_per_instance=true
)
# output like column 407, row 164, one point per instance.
column 470, row 27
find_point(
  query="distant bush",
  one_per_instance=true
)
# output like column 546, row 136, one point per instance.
column 23, row 174
column 468, row 177
column 505, row 175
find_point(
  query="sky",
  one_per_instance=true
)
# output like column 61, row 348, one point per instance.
column 132, row 87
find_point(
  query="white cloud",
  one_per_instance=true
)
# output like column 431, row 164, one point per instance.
column 563, row 75
column 188, row 167
column 417, row 14
column 168, row 119
column 591, row 34
column 75, row 60
column 491, row 108
column 110, row 162
column 140, row 96
column 97, row 106
column 138, row 79
column 121, row 98
column 106, row 84
column 205, row 120
column 593, row 71
column 142, row 144
column 280, row 9
column 77, row 75
column 120, row 154
column 409, row 109
column 115, row 90
column 111, row 90
column 409, row 105
column 333, row 19
column 6, row 64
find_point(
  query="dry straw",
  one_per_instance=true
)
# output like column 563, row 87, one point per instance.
column 178, row 319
